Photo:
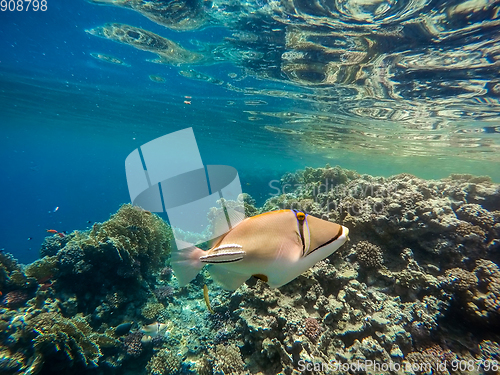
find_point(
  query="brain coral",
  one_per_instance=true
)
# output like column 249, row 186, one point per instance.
column 368, row 254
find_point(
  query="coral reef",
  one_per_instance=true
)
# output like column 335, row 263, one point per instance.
column 312, row 329
column 228, row 360
column 418, row 284
column 164, row 362
column 15, row 298
column 132, row 344
column 369, row 255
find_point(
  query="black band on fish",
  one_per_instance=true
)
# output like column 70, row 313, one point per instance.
column 212, row 261
column 339, row 233
column 300, row 220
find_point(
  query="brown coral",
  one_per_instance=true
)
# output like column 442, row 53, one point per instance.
column 465, row 229
column 369, row 255
column 486, row 300
column 15, row 298
column 475, row 214
column 458, row 279
column 312, row 329
column 228, row 359
column 434, row 360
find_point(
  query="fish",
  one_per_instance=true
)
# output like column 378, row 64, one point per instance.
column 60, row 234
column 187, row 102
column 52, row 231
column 274, row 247
column 155, row 329
column 207, row 299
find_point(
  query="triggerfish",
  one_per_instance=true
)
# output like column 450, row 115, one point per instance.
column 275, row 247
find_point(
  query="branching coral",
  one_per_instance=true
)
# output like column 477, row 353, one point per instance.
column 164, row 362
column 228, row 360
column 12, row 275
column 57, row 339
column 135, row 233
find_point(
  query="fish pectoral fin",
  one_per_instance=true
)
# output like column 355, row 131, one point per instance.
column 226, row 256
column 227, row 279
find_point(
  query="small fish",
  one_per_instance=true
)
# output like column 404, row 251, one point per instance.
column 88, row 221
column 45, row 286
column 60, row 234
column 123, row 329
column 207, row 300
column 45, row 279
column 275, row 247
column 30, row 238
column 52, row 231
column 188, row 97
column 187, row 102
column 155, row 329
column 56, row 209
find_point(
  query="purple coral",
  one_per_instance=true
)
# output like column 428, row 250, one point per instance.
column 133, row 345
column 312, row 329
column 166, row 273
column 16, row 298
column 164, row 292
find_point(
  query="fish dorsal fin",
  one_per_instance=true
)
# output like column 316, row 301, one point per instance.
column 226, row 219
column 220, row 226
column 224, row 254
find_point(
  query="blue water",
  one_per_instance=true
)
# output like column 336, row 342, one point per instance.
column 69, row 120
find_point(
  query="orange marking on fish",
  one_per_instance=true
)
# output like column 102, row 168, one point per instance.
column 52, row 231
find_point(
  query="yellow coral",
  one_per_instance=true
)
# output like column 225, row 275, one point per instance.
column 151, row 310
column 42, row 268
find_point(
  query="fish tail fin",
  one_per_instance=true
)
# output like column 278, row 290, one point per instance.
column 186, row 262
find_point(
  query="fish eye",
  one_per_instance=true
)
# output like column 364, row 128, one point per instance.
column 301, row 216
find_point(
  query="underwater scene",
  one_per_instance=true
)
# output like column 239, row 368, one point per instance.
column 250, row 187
